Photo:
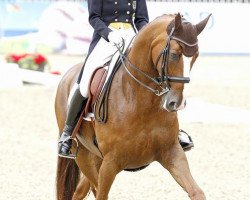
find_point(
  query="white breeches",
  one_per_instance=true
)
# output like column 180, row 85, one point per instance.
column 101, row 54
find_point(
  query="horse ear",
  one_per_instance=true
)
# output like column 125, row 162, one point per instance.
column 178, row 24
column 201, row 25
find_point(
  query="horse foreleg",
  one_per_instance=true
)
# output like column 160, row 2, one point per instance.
column 82, row 190
column 176, row 163
column 107, row 174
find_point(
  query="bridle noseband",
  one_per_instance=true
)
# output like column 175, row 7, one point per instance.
column 164, row 79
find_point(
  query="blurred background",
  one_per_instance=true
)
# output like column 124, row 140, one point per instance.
column 41, row 39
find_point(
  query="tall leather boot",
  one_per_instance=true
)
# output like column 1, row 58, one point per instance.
column 185, row 140
column 77, row 104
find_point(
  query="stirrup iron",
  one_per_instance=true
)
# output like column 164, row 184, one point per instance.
column 70, row 155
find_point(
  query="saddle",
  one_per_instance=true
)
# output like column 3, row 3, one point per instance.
column 96, row 84
column 98, row 92
column 97, row 102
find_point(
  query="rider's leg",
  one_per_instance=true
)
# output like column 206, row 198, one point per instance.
column 185, row 140
column 76, row 105
column 79, row 98
column 101, row 54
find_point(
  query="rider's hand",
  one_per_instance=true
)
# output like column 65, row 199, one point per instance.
column 115, row 38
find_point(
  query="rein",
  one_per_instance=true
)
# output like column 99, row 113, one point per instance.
column 164, row 78
column 156, row 92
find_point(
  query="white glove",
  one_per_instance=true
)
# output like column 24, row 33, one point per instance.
column 115, row 38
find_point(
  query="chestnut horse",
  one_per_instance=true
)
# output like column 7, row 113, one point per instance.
column 142, row 125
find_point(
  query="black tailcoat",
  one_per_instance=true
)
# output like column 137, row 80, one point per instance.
column 104, row 12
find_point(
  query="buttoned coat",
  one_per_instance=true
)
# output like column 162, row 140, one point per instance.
column 104, row 12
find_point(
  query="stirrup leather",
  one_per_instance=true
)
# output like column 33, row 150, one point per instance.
column 70, row 155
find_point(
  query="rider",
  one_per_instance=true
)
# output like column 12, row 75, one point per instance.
column 114, row 22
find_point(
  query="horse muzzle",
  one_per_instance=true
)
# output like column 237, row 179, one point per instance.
column 173, row 102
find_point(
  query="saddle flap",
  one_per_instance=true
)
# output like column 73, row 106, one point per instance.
column 96, row 83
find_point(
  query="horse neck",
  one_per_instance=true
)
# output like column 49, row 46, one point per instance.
column 140, row 54
column 137, row 98
column 140, row 57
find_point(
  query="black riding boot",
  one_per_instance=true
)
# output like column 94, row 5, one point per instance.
column 185, row 140
column 77, row 104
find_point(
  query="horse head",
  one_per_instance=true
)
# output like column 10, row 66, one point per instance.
column 175, row 59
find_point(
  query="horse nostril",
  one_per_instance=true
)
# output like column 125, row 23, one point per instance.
column 172, row 105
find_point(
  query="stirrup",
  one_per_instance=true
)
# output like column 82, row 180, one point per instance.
column 70, row 155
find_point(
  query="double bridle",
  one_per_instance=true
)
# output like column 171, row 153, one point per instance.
column 164, row 79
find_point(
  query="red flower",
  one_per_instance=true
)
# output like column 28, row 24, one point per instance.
column 56, row 72
column 16, row 58
column 39, row 59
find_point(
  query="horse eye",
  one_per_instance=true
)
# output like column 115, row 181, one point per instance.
column 174, row 56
